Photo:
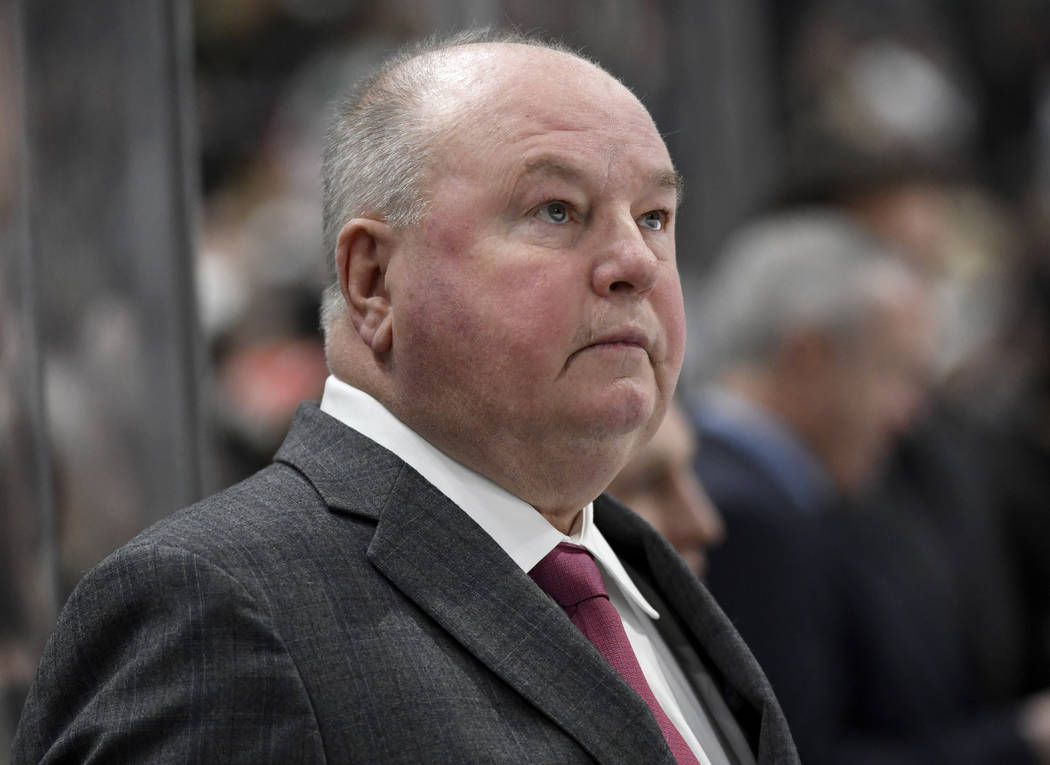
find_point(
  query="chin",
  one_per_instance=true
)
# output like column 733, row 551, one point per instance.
column 629, row 414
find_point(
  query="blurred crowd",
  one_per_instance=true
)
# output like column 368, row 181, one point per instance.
column 870, row 389
column 866, row 402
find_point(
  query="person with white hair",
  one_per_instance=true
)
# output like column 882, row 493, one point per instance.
column 817, row 366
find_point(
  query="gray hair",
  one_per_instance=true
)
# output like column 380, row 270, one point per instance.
column 379, row 143
column 810, row 268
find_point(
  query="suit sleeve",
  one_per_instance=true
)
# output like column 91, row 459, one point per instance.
column 161, row 656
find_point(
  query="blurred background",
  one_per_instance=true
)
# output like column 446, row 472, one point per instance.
column 160, row 220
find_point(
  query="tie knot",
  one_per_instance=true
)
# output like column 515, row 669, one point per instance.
column 569, row 574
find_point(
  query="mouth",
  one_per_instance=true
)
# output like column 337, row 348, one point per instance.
column 624, row 339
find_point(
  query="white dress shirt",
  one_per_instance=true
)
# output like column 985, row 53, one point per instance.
column 526, row 536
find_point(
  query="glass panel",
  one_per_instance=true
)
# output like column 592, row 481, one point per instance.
column 27, row 549
column 99, row 423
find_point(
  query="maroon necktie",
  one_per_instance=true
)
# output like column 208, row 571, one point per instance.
column 569, row 575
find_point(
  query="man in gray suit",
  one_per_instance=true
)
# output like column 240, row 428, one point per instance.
column 505, row 329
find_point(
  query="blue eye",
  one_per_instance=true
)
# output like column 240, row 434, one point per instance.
column 554, row 212
column 653, row 220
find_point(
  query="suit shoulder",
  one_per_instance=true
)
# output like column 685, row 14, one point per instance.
column 264, row 533
column 167, row 619
column 256, row 508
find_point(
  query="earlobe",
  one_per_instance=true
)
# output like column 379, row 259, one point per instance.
column 361, row 256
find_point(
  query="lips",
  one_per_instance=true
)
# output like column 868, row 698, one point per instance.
column 621, row 337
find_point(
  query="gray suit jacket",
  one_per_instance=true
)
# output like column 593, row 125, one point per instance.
column 336, row 607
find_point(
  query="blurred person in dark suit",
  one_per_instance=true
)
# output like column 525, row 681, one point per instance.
column 814, row 338
column 823, row 354
column 505, row 331
column 660, row 484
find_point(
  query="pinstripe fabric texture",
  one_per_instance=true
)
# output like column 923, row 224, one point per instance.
column 336, row 608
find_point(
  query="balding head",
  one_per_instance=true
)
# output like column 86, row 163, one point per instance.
column 385, row 134
column 507, row 284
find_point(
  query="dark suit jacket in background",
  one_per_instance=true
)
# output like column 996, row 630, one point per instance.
column 336, row 607
column 936, row 630
column 770, row 576
column 871, row 620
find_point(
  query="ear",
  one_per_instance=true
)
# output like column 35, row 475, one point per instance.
column 362, row 255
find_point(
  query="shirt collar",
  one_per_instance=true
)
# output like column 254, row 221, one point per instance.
column 515, row 525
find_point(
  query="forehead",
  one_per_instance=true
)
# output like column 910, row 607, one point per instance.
column 517, row 97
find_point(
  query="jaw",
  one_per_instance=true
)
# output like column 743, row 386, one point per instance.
column 560, row 473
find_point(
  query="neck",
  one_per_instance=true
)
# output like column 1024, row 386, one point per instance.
column 565, row 521
column 554, row 473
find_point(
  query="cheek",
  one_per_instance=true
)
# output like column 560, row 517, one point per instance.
column 432, row 322
column 676, row 344
column 528, row 293
column 528, row 299
column 671, row 313
column 503, row 324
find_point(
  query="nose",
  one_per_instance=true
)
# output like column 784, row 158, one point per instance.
column 625, row 264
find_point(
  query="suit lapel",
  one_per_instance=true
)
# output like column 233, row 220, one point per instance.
column 707, row 688
column 448, row 566
column 440, row 559
column 727, row 660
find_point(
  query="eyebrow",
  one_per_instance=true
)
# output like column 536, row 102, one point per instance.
column 663, row 179
column 670, row 179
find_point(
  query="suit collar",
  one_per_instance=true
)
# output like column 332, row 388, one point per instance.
column 515, row 526
column 350, row 472
column 524, row 534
